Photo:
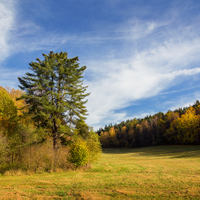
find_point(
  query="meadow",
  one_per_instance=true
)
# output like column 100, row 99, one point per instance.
column 160, row 172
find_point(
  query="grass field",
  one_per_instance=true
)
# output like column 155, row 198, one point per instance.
column 163, row 172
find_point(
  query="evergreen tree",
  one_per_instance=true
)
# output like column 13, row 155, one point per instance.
column 54, row 93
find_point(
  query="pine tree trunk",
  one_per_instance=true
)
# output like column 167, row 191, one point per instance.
column 55, row 144
column 55, row 135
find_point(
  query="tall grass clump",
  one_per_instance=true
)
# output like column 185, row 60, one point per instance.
column 43, row 158
column 30, row 149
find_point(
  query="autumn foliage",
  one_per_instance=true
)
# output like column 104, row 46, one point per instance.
column 181, row 126
column 49, row 109
column 27, row 147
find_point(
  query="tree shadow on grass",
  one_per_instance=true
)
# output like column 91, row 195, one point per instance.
column 172, row 151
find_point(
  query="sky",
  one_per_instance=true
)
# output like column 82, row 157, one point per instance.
column 142, row 56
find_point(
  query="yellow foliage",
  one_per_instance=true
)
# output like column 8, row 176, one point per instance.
column 19, row 104
column 14, row 94
column 8, row 112
column 79, row 153
column 112, row 132
column 112, row 136
column 184, row 129
column 104, row 138
column 170, row 116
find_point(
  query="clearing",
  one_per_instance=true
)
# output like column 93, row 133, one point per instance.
column 161, row 172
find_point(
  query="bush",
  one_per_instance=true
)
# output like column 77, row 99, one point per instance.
column 43, row 158
column 94, row 146
column 85, row 151
column 30, row 150
column 14, row 147
column 79, row 153
column 35, row 158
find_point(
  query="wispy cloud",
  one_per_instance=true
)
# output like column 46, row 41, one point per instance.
column 184, row 101
column 6, row 25
column 144, row 72
column 134, row 59
column 21, row 37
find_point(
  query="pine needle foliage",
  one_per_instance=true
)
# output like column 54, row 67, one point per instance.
column 54, row 93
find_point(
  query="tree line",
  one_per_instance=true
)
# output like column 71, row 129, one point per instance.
column 178, row 127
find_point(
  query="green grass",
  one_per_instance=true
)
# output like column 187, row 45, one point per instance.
column 163, row 172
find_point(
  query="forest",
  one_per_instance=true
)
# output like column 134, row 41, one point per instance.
column 178, row 127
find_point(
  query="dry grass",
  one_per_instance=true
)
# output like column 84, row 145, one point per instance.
column 37, row 158
column 164, row 172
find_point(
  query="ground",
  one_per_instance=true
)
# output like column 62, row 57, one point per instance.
column 162, row 172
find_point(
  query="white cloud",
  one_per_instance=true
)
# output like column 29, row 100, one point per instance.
column 117, row 83
column 6, row 25
column 184, row 101
column 23, row 36
column 149, row 58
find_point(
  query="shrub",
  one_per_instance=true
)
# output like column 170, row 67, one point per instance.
column 94, row 146
column 43, row 158
column 30, row 150
column 79, row 153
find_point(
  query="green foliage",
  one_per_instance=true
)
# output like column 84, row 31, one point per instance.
column 13, row 145
column 8, row 112
column 82, row 129
column 181, row 126
column 79, row 153
column 86, row 149
column 94, row 146
column 3, row 149
column 54, row 93
column 24, row 146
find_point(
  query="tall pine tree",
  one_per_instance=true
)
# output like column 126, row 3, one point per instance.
column 55, row 94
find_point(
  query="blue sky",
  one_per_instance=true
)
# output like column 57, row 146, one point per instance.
column 142, row 56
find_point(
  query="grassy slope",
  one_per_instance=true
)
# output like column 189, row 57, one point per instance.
column 164, row 172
